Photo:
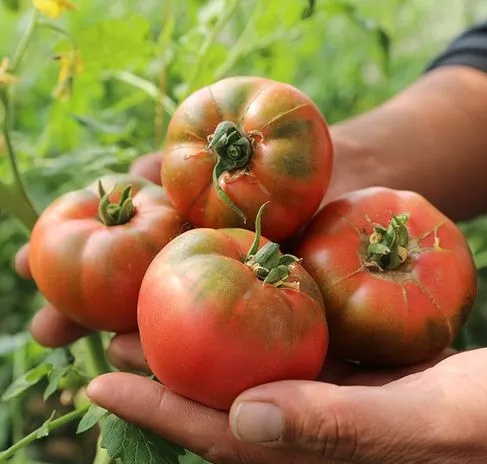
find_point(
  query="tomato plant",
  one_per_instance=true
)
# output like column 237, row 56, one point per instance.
column 217, row 316
column 89, row 249
column 397, row 276
column 241, row 142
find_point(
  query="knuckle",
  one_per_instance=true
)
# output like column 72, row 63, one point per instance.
column 328, row 434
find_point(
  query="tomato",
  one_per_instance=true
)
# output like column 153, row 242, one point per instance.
column 241, row 142
column 88, row 257
column 210, row 327
column 148, row 166
column 397, row 275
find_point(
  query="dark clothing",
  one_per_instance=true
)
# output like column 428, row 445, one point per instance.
column 469, row 49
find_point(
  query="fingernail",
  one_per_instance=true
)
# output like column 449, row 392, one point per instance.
column 256, row 422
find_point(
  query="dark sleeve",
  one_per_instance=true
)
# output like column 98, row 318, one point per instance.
column 468, row 49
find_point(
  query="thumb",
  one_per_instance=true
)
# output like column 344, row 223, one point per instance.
column 359, row 424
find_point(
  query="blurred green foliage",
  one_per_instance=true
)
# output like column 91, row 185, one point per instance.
column 140, row 58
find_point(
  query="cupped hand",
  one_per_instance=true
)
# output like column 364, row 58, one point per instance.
column 355, row 415
column 436, row 415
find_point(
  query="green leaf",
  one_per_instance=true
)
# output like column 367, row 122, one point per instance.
column 103, row 128
column 286, row 260
column 26, row 381
column 91, row 418
column 12, row 5
column 133, row 445
column 5, row 428
column 43, row 430
column 400, row 229
column 378, row 249
column 55, row 377
column 115, row 44
column 58, row 359
column 9, row 343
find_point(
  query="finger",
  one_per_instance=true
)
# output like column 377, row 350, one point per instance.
column 341, row 372
column 50, row 328
column 357, row 424
column 125, row 352
column 22, row 262
column 191, row 425
column 148, row 166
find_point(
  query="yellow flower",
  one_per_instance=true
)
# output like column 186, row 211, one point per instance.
column 70, row 64
column 53, row 8
column 5, row 77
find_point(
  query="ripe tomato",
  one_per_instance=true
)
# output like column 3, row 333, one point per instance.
column 244, row 141
column 211, row 328
column 148, row 166
column 397, row 276
column 88, row 256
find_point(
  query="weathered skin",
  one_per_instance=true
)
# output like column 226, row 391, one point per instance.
column 92, row 272
column 290, row 165
column 392, row 317
column 210, row 328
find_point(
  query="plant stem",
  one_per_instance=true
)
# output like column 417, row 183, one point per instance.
column 59, row 30
column 210, row 40
column 51, row 425
column 240, row 48
column 12, row 157
column 24, row 42
column 146, row 86
column 102, row 456
column 95, row 355
column 18, row 369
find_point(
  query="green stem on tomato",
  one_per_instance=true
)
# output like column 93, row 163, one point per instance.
column 210, row 40
column 52, row 425
column 114, row 214
column 268, row 264
column 233, row 150
column 387, row 248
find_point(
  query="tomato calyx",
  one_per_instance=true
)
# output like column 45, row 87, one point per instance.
column 387, row 249
column 115, row 214
column 267, row 263
column 234, row 151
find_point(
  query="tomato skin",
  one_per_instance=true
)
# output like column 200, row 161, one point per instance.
column 395, row 317
column 211, row 329
column 92, row 272
column 290, row 166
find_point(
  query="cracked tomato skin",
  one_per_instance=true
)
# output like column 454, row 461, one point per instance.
column 91, row 272
column 211, row 329
column 395, row 317
column 290, row 166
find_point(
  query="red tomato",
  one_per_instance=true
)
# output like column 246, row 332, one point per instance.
column 148, row 166
column 396, row 296
column 210, row 328
column 240, row 143
column 90, row 266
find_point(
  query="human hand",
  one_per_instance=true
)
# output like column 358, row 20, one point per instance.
column 423, row 417
column 436, row 415
column 383, row 420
